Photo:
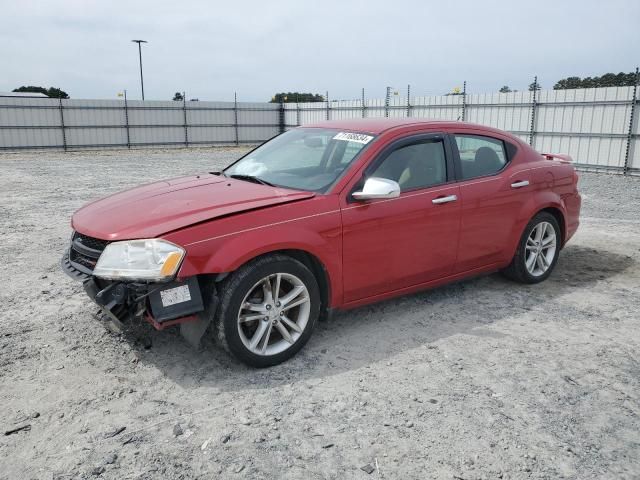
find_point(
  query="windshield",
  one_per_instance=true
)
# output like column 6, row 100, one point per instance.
column 304, row 158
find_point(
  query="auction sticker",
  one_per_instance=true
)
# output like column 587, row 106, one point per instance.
column 353, row 137
column 172, row 296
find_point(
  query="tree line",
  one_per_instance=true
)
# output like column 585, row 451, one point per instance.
column 607, row 80
column 51, row 92
column 296, row 97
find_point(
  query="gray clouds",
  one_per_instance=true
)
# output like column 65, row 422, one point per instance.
column 211, row 49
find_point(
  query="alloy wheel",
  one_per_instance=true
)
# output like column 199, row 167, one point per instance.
column 540, row 249
column 274, row 314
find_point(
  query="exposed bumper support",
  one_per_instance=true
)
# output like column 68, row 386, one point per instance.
column 169, row 323
column 161, row 304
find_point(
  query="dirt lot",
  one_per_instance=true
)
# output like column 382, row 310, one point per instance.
column 482, row 379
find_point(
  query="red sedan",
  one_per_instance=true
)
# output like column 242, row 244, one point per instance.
column 323, row 217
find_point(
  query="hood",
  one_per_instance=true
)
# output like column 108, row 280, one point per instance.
column 157, row 208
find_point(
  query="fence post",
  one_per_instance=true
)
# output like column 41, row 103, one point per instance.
column 64, row 135
column 364, row 113
column 235, row 117
column 297, row 110
column 464, row 101
column 386, row 102
column 126, row 119
column 328, row 114
column 632, row 119
column 184, row 111
column 282, row 124
column 534, row 105
column 408, row 100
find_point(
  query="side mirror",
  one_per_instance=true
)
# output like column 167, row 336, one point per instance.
column 376, row 187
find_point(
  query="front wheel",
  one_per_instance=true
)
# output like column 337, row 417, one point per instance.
column 537, row 251
column 267, row 311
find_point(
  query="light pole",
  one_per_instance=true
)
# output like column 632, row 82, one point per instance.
column 139, row 42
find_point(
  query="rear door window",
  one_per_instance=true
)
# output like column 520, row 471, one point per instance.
column 480, row 155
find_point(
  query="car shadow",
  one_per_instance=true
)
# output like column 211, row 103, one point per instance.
column 358, row 338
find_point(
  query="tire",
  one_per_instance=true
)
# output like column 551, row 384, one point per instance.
column 243, row 296
column 521, row 269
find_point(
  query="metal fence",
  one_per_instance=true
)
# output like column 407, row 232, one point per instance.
column 598, row 127
column 33, row 123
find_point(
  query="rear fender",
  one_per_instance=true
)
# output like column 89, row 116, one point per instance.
column 539, row 201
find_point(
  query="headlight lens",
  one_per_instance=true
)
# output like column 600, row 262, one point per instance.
column 149, row 260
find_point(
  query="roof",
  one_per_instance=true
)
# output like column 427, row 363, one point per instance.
column 379, row 125
column 375, row 126
column 23, row 94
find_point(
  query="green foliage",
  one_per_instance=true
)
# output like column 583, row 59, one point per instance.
column 607, row 80
column 51, row 92
column 534, row 86
column 505, row 89
column 567, row 83
column 178, row 97
column 54, row 92
column 294, row 97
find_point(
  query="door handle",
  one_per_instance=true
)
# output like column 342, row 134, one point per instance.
column 520, row 184
column 447, row 199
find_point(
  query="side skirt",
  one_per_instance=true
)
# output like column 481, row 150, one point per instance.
column 423, row 286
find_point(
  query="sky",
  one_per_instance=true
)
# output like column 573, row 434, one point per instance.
column 211, row 49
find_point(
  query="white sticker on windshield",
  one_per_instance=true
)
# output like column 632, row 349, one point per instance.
column 354, row 137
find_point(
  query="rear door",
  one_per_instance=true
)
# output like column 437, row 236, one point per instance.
column 492, row 192
column 390, row 244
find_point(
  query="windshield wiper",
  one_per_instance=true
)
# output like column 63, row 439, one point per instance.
column 251, row 178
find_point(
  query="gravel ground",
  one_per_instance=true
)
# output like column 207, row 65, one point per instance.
column 481, row 379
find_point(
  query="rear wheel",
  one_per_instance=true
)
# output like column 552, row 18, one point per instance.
column 267, row 311
column 537, row 251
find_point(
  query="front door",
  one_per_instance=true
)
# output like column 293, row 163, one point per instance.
column 391, row 244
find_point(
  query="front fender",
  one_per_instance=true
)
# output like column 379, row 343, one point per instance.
column 233, row 254
column 229, row 252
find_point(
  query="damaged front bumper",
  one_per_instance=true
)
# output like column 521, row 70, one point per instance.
column 160, row 304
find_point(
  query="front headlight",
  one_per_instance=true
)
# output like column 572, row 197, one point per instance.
column 148, row 260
